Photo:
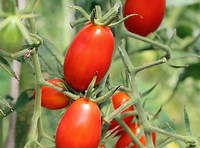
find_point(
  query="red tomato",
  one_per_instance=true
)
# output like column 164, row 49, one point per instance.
column 90, row 53
column 80, row 126
column 125, row 140
column 119, row 99
column 150, row 15
column 101, row 146
column 53, row 99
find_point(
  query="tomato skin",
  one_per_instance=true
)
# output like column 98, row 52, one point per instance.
column 90, row 53
column 119, row 99
column 53, row 99
column 11, row 37
column 125, row 139
column 80, row 126
column 150, row 15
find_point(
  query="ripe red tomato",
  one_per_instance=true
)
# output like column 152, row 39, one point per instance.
column 119, row 99
column 80, row 126
column 53, row 99
column 90, row 53
column 125, row 139
column 150, row 15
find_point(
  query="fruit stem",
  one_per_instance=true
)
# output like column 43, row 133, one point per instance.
column 128, row 130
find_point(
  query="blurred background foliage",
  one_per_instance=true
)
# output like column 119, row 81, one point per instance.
column 182, row 17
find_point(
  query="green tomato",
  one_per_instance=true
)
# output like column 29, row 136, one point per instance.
column 11, row 37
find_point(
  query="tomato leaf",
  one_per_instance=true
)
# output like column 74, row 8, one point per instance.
column 23, row 99
column 149, row 90
column 24, row 109
column 51, row 59
column 6, row 66
column 192, row 70
column 187, row 123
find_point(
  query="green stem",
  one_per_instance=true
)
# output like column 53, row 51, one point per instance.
column 165, row 48
column 130, row 133
column 69, row 94
column 186, row 139
column 37, row 106
column 112, row 115
column 125, row 59
column 30, row 5
column 138, row 69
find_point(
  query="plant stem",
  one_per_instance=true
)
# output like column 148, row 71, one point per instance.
column 165, row 48
column 112, row 115
column 186, row 139
column 37, row 106
column 128, row 130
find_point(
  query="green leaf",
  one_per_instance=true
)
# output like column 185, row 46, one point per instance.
column 23, row 99
column 51, row 59
column 23, row 123
column 187, row 123
column 6, row 66
column 192, row 70
column 149, row 90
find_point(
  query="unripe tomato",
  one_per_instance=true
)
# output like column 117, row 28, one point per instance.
column 89, row 54
column 11, row 37
column 125, row 140
column 119, row 99
column 80, row 126
column 150, row 15
column 53, row 99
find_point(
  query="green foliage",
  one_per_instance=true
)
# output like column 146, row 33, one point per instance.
column 6, row 66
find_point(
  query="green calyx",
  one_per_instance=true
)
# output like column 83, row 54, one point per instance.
column 111, row 18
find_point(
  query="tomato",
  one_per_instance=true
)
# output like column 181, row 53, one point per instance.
column 119, row 99
column 80, row 126
column 53, row 99
column 11, row 37
column 150, row 15
column 125, row 139
column 89, row 54
column 101, row 146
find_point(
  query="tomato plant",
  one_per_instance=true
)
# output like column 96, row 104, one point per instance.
column 150, row 15
column 125, row 140
column 119, row 99
column 80, row 126
column 89, row 54
column 53, row 99
column 9, row 31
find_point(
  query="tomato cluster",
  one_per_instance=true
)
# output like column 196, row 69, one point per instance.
column 89, row 55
